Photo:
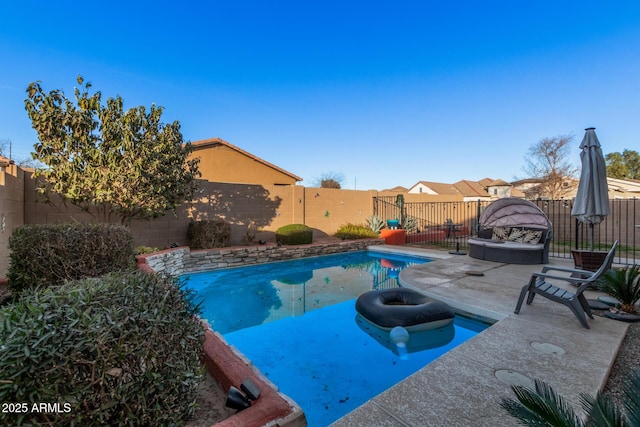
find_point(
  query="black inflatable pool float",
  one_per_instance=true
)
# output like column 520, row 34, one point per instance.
column 405, row 307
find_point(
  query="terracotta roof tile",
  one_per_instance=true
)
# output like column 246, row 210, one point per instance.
column 471, row 188
column 499, row 183
column 440, row 187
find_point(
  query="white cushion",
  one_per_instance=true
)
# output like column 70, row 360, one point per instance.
column 515, row 246
column 506, row 245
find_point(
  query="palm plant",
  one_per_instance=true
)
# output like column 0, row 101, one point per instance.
column 544, row 407
column 624, row 285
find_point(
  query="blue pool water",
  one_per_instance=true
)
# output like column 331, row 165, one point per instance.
column 296, row 321
column 238, row 298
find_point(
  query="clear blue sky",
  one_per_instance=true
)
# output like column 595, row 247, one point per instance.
column 385, row 93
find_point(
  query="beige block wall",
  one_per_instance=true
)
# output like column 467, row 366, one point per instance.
column 266, row 207
column 11, row 209
column 326, row 209
column 221, row 163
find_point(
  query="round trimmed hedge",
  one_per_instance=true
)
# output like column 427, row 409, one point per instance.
column 355, row 231
column 294, row 234
column 121, row 349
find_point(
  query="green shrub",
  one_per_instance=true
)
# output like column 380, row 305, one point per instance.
column 49, row 255
column 355, row 231
column 294, row 234
column 208, row 234
column 122, row 349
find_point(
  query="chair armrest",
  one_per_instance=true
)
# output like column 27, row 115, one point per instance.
column 575, row 280
column 567, row 270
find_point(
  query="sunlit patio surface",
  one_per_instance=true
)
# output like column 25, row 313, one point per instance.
column 464, row 387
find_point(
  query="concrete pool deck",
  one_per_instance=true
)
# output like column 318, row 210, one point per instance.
column 465, row 386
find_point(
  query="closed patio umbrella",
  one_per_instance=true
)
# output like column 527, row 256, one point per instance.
column 591, row 205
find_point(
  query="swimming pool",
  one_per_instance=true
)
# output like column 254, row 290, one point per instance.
column 296, row 322
column 237, row 298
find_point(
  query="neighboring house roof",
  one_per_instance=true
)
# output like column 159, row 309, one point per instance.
column 499, row 183
column 4, row 161
column 205, row 143
column 485, row 182
column 397, row 189
column 437, row 187
column 517, row 193
column 624, row 185
column 530, row 181
column 529, row 187
column 471, row 189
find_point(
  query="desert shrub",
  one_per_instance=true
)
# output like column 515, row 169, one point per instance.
column 141, row 250
column 355, row 231
column 294, row 234
column 410, row 224
column 122, row 349
column 375, row 223
column 208, row 234
column 250, row 233
column 51, row 254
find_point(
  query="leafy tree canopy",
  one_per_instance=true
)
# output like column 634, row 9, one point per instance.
column 625, row 165
column 106, row 160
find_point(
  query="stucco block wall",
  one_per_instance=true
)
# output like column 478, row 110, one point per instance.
column 222, row 163
column 327, row 209
column 11, row 209
column 264, row 207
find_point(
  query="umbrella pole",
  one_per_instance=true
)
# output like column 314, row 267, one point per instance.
column 591, row 239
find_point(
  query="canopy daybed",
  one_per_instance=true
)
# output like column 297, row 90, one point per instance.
column 513, row 231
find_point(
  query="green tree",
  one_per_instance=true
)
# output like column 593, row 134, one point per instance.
column 623, row 165
column 106, row 160
column 547, row 161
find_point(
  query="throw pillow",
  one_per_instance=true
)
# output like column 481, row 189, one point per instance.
column 532, row 236
column 516, row 235
column 500, row 233
column 521, row 235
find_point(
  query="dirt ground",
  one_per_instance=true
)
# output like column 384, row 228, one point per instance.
column 211, row 405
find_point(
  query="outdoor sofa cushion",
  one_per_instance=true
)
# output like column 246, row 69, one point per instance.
column 512, row 246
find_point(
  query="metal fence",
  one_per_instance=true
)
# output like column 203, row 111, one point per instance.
column 450, row 224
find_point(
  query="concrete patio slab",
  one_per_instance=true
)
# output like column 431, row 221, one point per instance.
column 464, row 386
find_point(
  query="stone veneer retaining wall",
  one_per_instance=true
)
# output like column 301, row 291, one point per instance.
column 182, row 260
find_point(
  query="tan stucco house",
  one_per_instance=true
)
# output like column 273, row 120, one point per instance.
column 221, row 161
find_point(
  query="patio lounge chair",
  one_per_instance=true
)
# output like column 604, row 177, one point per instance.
column 576, row 301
